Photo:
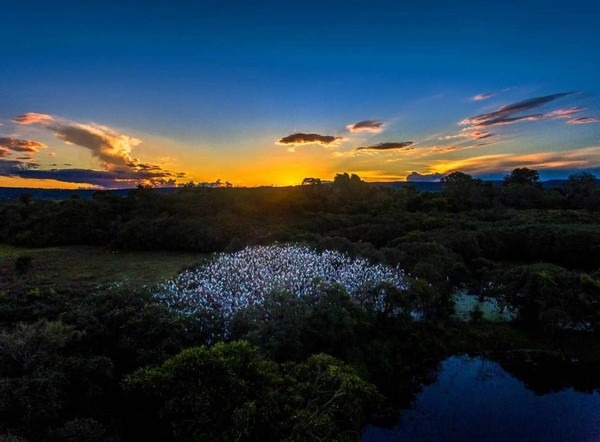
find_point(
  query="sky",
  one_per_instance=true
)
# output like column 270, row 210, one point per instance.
column 112, row 94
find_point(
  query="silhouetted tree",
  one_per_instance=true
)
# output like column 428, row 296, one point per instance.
column 523, row 176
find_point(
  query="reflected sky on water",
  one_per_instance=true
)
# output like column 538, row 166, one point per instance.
column 475, row 399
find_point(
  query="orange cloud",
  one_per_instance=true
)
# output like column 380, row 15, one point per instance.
column 104, row 143
column 32, row 117
column 17, row 145
column 112, row 148
column 579, row 158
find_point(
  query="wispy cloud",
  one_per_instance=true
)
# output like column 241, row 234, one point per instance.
column 32, row 117
column 18, row 145
column 372, row 126
column 508, row 114
column 584, row 120
column 482, row 96
column 503, row 121
column 564, row 113
column 299, row 139
column 584, row 158
column 473, row 134
column 402, row 145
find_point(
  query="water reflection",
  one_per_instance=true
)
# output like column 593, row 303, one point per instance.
column 475, row 399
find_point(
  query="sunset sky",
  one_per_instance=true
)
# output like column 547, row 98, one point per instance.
column 113, row 93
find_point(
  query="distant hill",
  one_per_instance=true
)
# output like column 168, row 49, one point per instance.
column 13, row 193
column 436, row 186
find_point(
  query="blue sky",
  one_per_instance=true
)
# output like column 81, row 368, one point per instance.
column 266, row 92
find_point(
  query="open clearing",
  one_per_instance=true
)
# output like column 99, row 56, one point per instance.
column 90, row 266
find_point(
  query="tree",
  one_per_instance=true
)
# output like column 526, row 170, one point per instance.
column 311, row 181
column 463, row 191
column 522, row 189
column 231, row 392
column 523, row 176
column 582, row 191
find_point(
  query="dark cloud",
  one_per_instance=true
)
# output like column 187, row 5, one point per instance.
column 404, row 145
column 302, row 138
column 416, row 176
column 14, row 167
column 374, row 126
column 506, row 114
column 17, row 145
column 502, row 121
column 25, row 158
column 120, row 178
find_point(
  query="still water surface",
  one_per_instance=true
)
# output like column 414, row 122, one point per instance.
column 475, row 399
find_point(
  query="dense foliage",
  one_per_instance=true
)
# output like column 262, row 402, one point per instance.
column 100, row 363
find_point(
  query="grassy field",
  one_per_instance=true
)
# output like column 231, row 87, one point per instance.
column 90, row 266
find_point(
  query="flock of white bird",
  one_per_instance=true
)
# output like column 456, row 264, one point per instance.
column 234, row 281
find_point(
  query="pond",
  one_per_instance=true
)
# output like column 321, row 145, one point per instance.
column 475, row 399
column 466, row 302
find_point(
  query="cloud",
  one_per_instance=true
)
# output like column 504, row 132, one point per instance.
column 444, row 149
column 482, row 96
column 402, row 145
column 32, row 117
column 506, row 114
column 502, row 121
column 104, row 178
column 584, row 120
column 583, row 158
column 474, row 134
column 113, row 149
column 416, row 176
column 104, row 143
column 479, row 135
column 302, row 138
column 17, row 145
column 4, row 152
column 372, row 126
column 299, row 139
column 564, row 113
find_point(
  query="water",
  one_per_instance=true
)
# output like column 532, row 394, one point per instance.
column 489, row 308
column 475, row 399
